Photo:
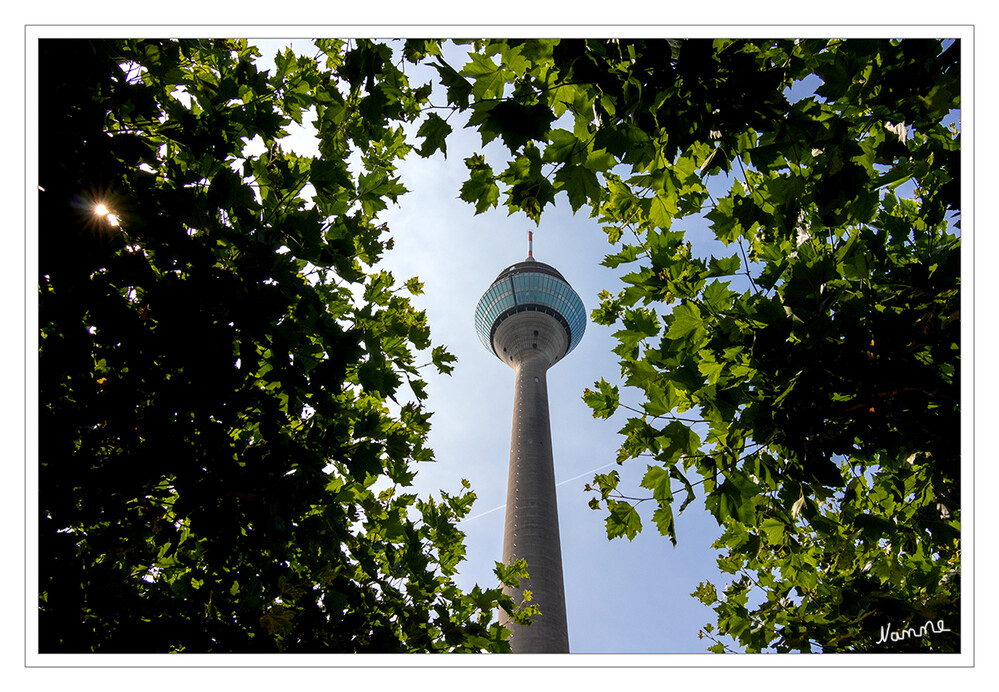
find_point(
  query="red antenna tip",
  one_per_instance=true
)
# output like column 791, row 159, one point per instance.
column 530, row 243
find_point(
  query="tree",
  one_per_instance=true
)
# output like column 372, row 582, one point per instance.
column 810, row 378
column 225, row 442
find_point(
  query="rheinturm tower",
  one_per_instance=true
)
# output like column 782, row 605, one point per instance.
column 531, row 318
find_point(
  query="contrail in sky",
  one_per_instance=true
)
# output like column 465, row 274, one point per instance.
column 567, row 480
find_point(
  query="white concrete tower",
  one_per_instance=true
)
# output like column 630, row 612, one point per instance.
column 531, row 318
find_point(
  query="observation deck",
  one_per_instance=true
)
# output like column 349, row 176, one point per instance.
column 530, row 307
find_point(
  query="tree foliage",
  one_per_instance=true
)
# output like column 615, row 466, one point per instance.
column 225, row 433
column 226, row 436
column 808, row 377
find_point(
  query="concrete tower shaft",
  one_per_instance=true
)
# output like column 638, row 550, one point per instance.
column 531, row 529
column 531, row 318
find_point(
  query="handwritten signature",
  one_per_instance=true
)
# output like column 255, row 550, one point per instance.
column 912, row 632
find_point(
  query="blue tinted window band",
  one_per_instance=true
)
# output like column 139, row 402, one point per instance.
column 534, row 286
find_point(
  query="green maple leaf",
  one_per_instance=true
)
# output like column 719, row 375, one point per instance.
column 687, row 319
column 661, row 210
column 623, row 520
column 604, row 401
column 663, row 518
column 580, row 183
column 657, row 479
column 434, row 130
column 480, row 189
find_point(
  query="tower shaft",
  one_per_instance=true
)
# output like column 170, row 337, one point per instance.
column 531, row 530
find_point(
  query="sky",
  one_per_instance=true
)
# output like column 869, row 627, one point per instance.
column 621, row 596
